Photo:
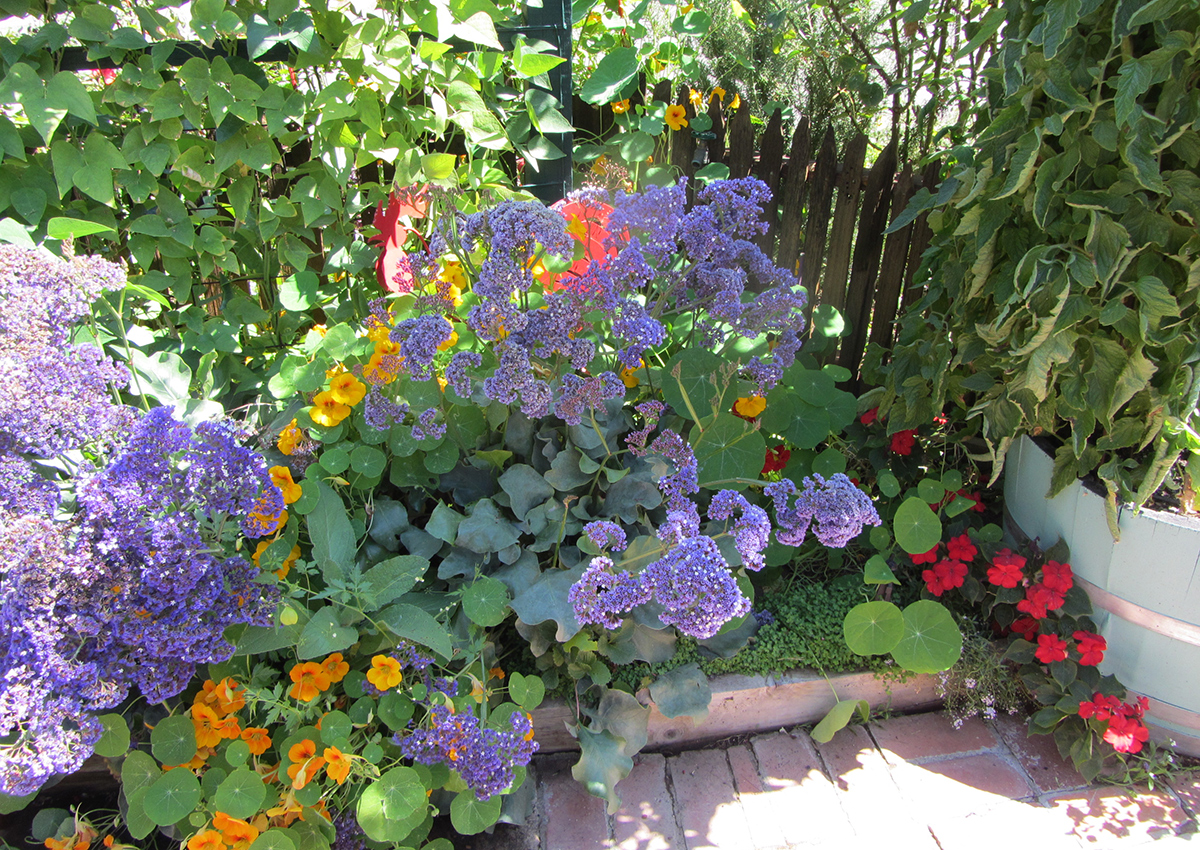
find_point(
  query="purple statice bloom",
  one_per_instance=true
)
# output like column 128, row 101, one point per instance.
column 580, row 395
column 693, row 584
column 605, row 534
column 603, row 595
column 720, row 290
column 22, row 489
column 484, row 758
column 681, row 523
column 650, row 411
column 751, row 531
column 380, row 412
column 680, row 484
column 457, row 376
column 426, row 425
column 764, row 617
column 652, row 215
column 628, row 271
column 638, row 330
column 838, row 509
column 419, row 338
column 348, row 835
column 737, row 205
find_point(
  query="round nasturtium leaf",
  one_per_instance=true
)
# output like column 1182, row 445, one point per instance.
column 877, row 571
column 931, row 491
column 274, row 839
column 485, row 602
column 172, row 797
column 242, row 793
column 138, row 771
column 237, row 753
column 114, row 742
column 932, row 641
column 469, row 815
column 173, row 741
column 873, row 628
column 393, row 805
column 916, row 526
column 335, row 726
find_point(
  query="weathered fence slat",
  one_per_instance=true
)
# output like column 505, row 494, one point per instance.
column 841, row 234
column 820, row 196
column 877, row 198
column 741, row 144
column 793, row 189
column 891, row 267
column 683, row 145
column 770, row 162
column 921, row 235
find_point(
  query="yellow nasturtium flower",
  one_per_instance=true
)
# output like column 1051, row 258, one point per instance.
column 281, row 477
column 327, row 411
column 750, row 407
column 289, row 438
column 676, row 117
column 620, row 107
column 347, row 389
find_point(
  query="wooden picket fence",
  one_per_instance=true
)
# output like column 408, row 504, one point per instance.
column 829, row 216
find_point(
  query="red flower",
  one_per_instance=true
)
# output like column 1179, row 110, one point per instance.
column 777, row 459
column 929, row 557
column 903, row 442
column 975, row 497
column 940, row 420
column 1039, row 600
column 1051, row 648
column 1026, row 627
column 1091, row 648
column 1005, row 570
column 961, row 548
column 1101, row 707
column 870, row 416
column 1126, row 734
column 945, row 575
column 1057, row 577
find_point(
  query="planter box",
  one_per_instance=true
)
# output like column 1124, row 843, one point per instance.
column 751, row 704
column 1145, row 589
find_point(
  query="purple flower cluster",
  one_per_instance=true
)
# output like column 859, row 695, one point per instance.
column 57, row 394
column 457, row 376
column 605, row 534
column 751, row 531
column 484, row 758
column 586, row 394
column 419, row 338
column 603, row 595
column 650, row 411
column 695, row 587
column 380, row 412
column 426, row 425
column 838, row 509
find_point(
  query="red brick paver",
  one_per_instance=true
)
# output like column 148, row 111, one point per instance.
column 800, row 797
column 924, row 736
column 708, row 807
column 1038, row 756
column 1101, row 817
column 575, row 819
column 646, row 819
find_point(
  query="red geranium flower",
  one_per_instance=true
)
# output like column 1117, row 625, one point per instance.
column 1026, row 627
column 1051, row 648
column 961, row 548
column 903, row 442
column 1126, row 734
column 1091, row 648
column 929, row 557
column 1005, row 570
column 1057, row 577
column 870, row 416
column 777, row 459
column 975, row 497
column 1039, row 600
column 945, row 575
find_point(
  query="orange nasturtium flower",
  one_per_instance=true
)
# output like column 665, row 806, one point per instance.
column 281, row 477
column 238, row 834
column 385, row 672
column 289, row 438
column 305, row 763
column 310, row 680
column 347, row 389
column 209, row 728
column 209, row 839
column 229, row 696
column 620, row 107
column 629, row 377
column 696, row 98
column 676, row 117
column 337, row 764
column 257, row 739
column 327, row 411
column 335, row 667
column 750, row 407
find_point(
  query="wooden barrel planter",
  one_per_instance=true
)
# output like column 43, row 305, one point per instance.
column 1145, row 589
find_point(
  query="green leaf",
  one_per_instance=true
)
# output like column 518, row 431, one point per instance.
column 368, row 460
column 173, row 741
column 877, row 571
column 526, row 691
column 324, row 634
column 274, row 839
column 930, row 491
column 682, row 691
column 602, row 764
column 529, row 64
column 298, row 292
column 136, row 820
column 469, row 815
column 838, row 717
column 241, row 795
column 873, row 628
column 138, row 771
column 163, row 377
column 387, row 806
column 692, row 392
column 888, row 484
column 543, row 112
column 473, row 116
column 613, row 73
column 409, row 621
column 546, row 599
column 333, row 539
column 173, row 796
column 390, row 579
column 695, row 22
column 485, row 530
column 485, row 602
column 916, row 527
column 114, row 741
column 729, row 449
column 635, row 147
column 987, row 28
column 438, row 166
column 71, row 228
column 526, row 488
column 932, row 641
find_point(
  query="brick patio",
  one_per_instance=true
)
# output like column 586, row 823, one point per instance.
column 906, row 783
